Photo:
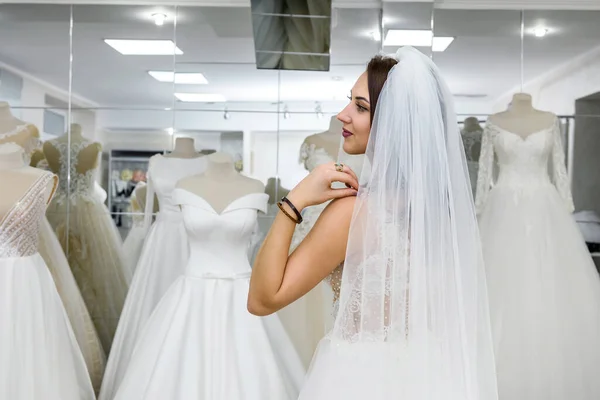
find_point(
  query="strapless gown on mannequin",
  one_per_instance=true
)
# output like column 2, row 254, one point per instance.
column 163, row 259
column 201, row 343
column 134, row 242
column 90, row 241
column 39, row 355
column 543, row 286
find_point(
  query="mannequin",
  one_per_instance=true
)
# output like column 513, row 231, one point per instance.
column 140, row 198
column 521, row 118
column 87, row 157
column 275, row 190
column 471, row 124
column 184, row 148
column 36, row 157
column 10, row 129
column 16, row 177
column 220, row 184
column 328, row 140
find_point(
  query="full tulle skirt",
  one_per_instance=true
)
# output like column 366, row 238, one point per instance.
column 201, row 343
column 544, row 294
column 79, row 317
column 39, row 355
column 132, row 248
column 93, row 247
column 163, row 259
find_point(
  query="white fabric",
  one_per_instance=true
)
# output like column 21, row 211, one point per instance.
column 201, row 343
column 163, row 259
column 412, row 321
column 134, row 242
column 543, row 285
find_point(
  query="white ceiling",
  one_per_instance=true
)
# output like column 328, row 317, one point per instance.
column 217, row 41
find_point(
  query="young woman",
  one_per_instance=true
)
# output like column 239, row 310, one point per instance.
column 412, row 320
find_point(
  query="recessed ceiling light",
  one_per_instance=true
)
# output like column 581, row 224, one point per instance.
column 159, row 19
column 200, row 97
column 540, row 32
column 337, row 78
column 376, row 35
column 144, row 47
column 417, row 38
column 180, row 78
column 170, row 131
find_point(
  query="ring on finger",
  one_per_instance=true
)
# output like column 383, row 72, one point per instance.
column 339, row 167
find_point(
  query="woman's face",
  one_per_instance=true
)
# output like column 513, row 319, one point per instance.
column 356, row 118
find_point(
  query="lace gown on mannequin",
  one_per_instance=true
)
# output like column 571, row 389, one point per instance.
column 543, row 287
column 163, row 259
column 201, row 342
column 39, row 355
column 90, row 241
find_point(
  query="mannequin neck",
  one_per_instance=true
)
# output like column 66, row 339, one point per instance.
column 521, row 102
column 220, row 166
column 184, row 148
column 11, row 156
column 5, row 113
column 471, row 124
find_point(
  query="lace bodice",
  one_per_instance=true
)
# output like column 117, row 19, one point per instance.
column 523, row 162
column 472, row 144
column 312, row 156
column 29, row 145
column 19, row 228
column 81, row 185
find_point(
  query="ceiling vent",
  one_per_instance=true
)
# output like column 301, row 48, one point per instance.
column 292, row 34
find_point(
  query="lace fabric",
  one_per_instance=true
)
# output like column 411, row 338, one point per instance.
column 80, row 186
column 522, row 162
column 19, row 228
column 29, row 146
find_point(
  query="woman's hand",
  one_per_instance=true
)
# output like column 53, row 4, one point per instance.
column 316, row 187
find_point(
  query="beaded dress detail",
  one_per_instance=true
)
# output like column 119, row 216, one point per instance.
column 90, row 240
column 39, row 355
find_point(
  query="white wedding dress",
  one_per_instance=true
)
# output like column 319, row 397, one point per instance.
column 163, row 259
column 201, row 343
column 543, row 287
column 39, row 355
column 134, row 242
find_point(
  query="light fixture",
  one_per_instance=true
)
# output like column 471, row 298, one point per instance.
column 540, row 31
column 286, row 113
column 337, row 78
column 376, row 35
column 159, row 18
column 144, row 47
column 319, row 110
column 226, row 114
column 200, row 97
column 180, row 78
column 170, row 131
column 417, row 38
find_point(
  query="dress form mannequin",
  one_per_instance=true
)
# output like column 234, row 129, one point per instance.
column 16, row 177
column 87, row 158
column 10, row 129
column 184, row 148
column 36, row 157
column 140, row 198
column 328, row 140
column 220, row 184
column 275, row 190
column 521, row 118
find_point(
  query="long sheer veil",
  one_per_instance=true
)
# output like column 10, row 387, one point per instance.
column 413, row 320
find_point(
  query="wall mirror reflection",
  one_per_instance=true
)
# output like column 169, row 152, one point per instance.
column 156, row 118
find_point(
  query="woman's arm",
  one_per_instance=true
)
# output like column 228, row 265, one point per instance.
column 278, row 280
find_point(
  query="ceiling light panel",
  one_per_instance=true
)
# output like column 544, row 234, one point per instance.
column 144, row 47
column 441, row 43
column 180, row 78
column 416, row 38
column 200, row 97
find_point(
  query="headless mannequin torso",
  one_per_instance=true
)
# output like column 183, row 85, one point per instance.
column 521, row 118
column 221, row 183
column 275, row 190
column 328, row 140
column 16, row 177
column 87, row 158
column 8, row 123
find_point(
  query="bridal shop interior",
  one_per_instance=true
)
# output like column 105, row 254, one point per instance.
column 123, row 101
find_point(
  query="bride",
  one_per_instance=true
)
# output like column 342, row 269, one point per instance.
column 401, row 249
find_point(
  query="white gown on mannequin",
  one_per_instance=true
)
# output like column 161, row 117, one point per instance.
column 201, row 343
column 163, row 259
column 543, row 287
column 134, row 242
column 91, row 242
column 39, row 355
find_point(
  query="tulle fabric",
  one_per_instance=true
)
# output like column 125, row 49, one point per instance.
column 544, row 296
column 164, row 256
column 94, row 251
column 79, row 317
column 132, row 247
column 39, row 355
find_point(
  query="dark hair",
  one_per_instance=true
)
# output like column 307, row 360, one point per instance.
column 377, row 73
